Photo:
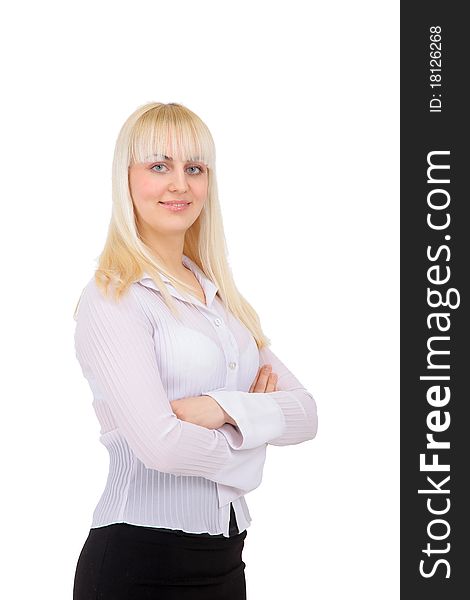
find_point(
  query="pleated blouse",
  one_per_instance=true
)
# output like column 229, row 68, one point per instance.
column 137, row 357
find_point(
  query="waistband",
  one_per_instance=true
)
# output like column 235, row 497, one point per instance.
column 232, row 529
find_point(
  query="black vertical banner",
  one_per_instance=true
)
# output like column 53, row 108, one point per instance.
column 434, row 303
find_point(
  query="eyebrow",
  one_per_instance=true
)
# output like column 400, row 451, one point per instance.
column 169, row 158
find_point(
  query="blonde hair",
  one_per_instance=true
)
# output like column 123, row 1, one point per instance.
column 150, row 130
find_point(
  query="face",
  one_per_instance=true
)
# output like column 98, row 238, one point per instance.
column 167, row 180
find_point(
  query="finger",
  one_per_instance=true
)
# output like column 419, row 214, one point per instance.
column 260, row 385
column 252, row 386
column 255, row 381
column 271, row 383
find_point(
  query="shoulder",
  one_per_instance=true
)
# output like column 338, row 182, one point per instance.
column 102, row 302
column 109, row 326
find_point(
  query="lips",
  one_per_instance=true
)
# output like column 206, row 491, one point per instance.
column 174, row 202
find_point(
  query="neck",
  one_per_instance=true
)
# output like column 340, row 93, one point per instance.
column 169, row 250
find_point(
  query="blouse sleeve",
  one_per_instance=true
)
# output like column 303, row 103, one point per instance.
column 115, row 348
column 285, row 417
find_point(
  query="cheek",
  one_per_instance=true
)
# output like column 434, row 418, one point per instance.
column 144, row 189
column 148, row 189
column 202, row 189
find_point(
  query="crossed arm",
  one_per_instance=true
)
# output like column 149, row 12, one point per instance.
column 207, row 412
column 116, row 350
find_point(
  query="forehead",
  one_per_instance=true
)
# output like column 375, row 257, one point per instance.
column 182, row 144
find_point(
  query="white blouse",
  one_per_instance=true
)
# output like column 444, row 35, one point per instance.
column 137, row 357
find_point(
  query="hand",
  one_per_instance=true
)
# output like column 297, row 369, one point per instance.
column 200, row 410
column 265, row 381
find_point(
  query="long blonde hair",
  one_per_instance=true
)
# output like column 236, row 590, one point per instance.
column 151, row 129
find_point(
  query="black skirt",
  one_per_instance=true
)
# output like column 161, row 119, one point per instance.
column 124, row 561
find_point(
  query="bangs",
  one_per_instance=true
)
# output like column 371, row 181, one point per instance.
column 173, row 131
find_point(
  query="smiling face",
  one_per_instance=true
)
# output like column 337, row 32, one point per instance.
column 167, row 179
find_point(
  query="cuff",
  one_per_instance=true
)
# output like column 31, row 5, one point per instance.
column 259, row 418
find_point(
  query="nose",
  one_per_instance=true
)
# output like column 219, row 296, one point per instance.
column 178, row 182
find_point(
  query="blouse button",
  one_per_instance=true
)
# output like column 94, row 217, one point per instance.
column 232, row 365
column 218, row 322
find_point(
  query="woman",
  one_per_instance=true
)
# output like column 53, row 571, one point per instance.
column 186, row 390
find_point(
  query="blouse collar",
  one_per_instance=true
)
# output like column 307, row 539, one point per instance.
column 209, row 287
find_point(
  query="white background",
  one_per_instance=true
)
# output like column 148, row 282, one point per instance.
column 302, row 101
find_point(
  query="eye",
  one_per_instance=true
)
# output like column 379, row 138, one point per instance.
column 201, row 170
column 152, row 168
column 157, row 168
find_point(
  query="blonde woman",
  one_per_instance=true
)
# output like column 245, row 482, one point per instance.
column 185, row 388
